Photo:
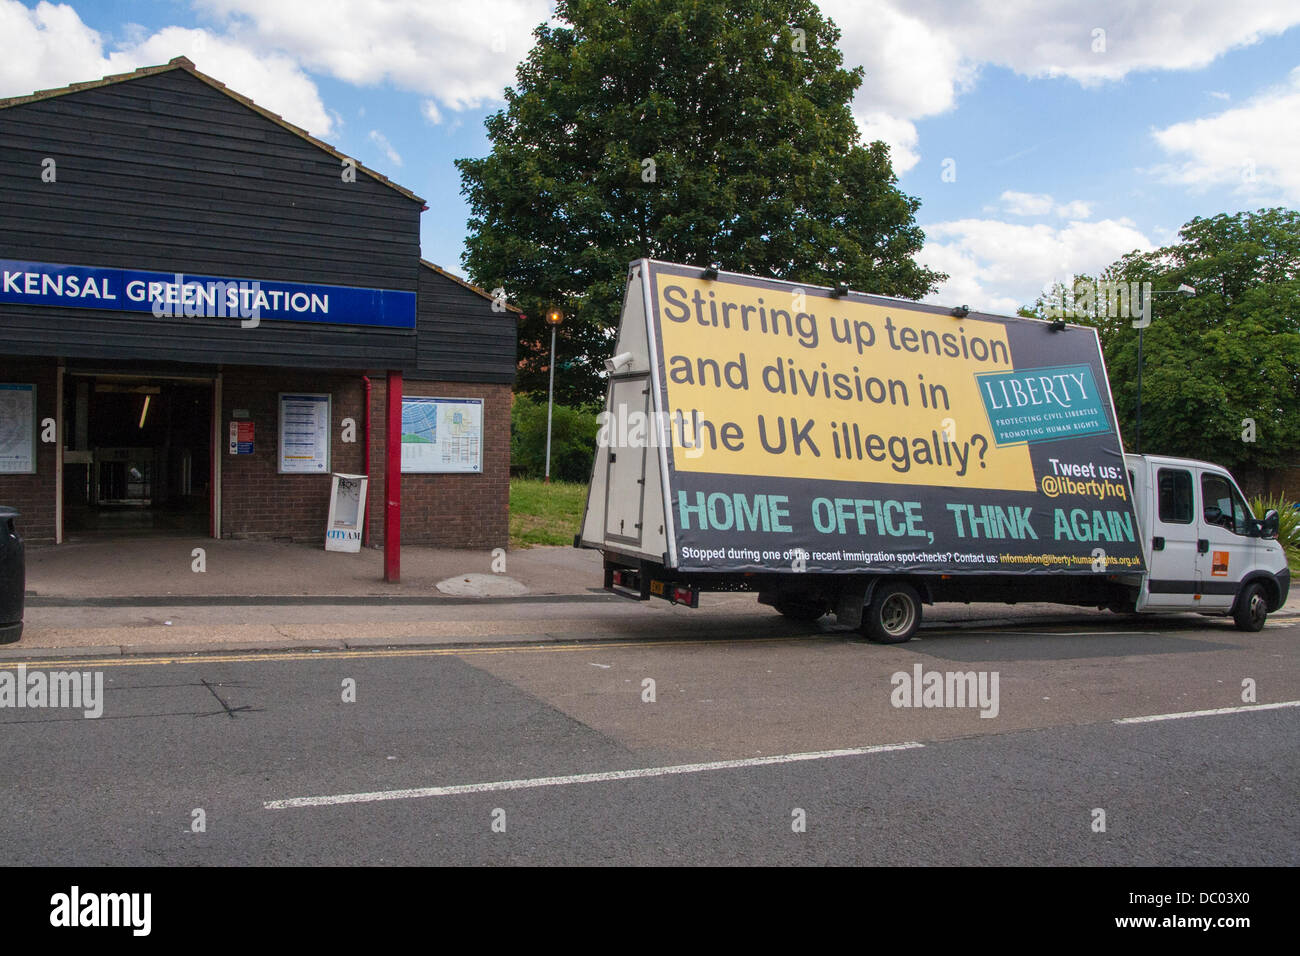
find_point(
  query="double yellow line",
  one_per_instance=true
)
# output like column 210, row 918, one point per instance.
column 389, row 652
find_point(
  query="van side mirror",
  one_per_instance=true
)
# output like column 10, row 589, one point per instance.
column 1268, row 527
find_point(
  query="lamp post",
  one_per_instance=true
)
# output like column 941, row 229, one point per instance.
column 553, row 318
column 1141, row 324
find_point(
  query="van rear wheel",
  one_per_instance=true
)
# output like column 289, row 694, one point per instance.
column 893, row 615
column 1252, row 608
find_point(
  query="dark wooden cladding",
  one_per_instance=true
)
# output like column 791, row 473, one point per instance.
column 163, row 172
column 461, row 339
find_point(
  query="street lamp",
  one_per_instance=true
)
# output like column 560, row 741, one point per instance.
column 1140, row 324
column 553, row 318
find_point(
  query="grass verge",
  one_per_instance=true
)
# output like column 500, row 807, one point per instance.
column 545, row 514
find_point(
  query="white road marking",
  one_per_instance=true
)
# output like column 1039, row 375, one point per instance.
column 1010, row 632
column 1207, row 713
column 578, row 778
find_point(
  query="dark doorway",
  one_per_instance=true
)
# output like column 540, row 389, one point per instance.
column 137, row 455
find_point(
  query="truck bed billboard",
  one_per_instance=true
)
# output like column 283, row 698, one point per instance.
column 819, row 432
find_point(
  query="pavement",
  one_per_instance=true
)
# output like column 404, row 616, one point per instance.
column 148, row 596
column 165, row 568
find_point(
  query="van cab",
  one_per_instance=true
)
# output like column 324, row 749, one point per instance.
column 1205, row 550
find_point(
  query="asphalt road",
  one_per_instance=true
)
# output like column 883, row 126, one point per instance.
column 559, row 743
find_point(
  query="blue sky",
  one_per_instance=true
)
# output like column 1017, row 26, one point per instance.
column 1070, row 133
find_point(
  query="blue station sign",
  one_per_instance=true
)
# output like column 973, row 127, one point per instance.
column 179, row 295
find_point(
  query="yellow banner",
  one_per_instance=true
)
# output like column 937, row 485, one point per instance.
column 783, row 383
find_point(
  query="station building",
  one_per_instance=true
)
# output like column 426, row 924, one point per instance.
column 205, row 312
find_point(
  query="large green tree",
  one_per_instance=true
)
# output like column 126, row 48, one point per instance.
column 687, row 130
column 1211, row 361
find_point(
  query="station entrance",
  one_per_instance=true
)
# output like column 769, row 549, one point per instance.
column 137, row 456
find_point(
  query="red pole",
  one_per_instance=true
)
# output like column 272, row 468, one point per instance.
column 365, row 469
column 393, row 479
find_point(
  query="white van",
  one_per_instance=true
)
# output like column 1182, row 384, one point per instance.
column 1205, row 550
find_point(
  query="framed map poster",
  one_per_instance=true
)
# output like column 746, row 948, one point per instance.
column 17, row 429
column 442, row 435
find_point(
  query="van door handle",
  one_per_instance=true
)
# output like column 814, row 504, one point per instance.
column 1157, row 543
column 1202, row 545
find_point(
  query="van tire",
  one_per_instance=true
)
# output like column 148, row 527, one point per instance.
column 800, row 609
column 1251, row 610
column 893, row 615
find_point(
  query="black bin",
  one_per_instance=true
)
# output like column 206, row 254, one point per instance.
column 13, row 577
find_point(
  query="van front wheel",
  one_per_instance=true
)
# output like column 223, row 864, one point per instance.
column 1252, row 608
column 893, row 615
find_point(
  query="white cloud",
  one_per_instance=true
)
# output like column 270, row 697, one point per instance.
column 431, row 112
column 899, row 135
column 1075, row 209
column 460, row 54
column 998, row 266
column 1026, row 204
column 912, row 71
column 1053, row 38
column 1042, row 204
column 380, row 140
column 1254, row 148
column 921, row 55
column 49, row 46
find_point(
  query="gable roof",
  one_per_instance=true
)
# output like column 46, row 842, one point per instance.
column 468, row 285
column 182, row 63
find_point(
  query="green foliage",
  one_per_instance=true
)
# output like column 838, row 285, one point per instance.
column 573, row 440
column 545, row 514
column 1211, row 361
column 1288, row 531
column 757, row 163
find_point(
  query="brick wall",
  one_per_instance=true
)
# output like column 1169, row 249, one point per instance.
column 257, row 501
column 34, row 495
column 450, row 511
column 457, row 510
column 1269, row 483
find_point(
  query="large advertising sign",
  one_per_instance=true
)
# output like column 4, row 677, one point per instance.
column 826, row 433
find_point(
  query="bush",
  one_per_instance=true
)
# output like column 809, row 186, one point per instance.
column 1288, row 531
column 573, row 440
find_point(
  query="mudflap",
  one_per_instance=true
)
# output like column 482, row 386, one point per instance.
column 852, row 599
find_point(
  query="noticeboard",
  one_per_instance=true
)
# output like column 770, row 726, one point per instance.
column 442, row 435
column 17, row 429
column 304, row 433
column 841, row 433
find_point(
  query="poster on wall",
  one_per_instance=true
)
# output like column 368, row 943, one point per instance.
column 304, row 434
column 17, row 429
column 442, row 435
